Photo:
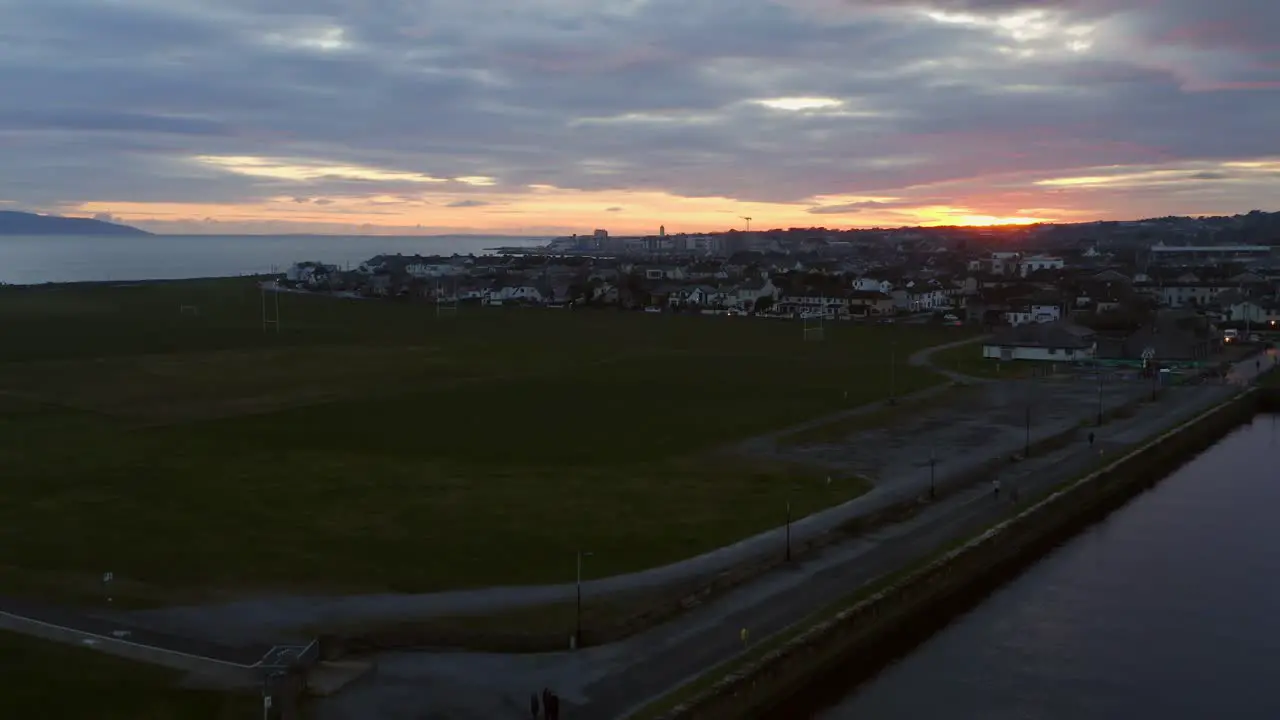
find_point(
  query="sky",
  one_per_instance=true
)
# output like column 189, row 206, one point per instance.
column 547, row 117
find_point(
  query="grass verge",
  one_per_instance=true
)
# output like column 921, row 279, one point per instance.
column 46, row 679
column 705, row 681
column 373, row 446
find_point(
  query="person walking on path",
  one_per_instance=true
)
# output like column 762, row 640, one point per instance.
column 995, row 485
column 552, row 709
column 534, row 705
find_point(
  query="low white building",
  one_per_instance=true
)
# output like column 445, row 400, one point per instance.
column 433, row 270
column 870, row 284
column 1035, row 263
column 1045, row 342
column 1033, row 313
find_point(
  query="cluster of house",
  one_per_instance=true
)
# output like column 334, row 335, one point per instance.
column 748, row 282
column 1170, row 314
column 1068, row 306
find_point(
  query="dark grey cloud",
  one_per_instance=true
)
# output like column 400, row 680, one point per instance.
column 467, row 203
column 117, row 98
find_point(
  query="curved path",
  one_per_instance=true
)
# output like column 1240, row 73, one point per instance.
column 924, row 358
column 608, row 682
column 280, row 617
column 268, row 618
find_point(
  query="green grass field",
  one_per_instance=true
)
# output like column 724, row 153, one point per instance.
column 45, row 679
column 373, row 446
column 968, row 360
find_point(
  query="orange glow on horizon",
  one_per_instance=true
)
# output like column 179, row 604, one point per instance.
column 541, row 210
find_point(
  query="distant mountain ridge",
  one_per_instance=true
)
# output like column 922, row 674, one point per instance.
column 13, row 222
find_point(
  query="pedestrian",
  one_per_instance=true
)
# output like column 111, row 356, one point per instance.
column 534, row 705
column 546, row 703
column 1090, row 439
column 995, row 484
column 553, row 709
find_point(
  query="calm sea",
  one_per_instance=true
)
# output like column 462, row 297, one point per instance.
column 1168, row 609
column 29, row 260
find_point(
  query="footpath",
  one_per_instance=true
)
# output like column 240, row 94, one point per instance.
column 609, row 682
column 280, row 618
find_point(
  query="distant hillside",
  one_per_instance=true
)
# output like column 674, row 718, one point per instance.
column 22, row 223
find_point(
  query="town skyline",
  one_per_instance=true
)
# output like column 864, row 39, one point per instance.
column 389, row 117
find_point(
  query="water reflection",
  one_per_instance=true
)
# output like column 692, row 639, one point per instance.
column 1166, row 610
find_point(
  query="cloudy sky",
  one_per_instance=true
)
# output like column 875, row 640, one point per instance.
column 550, row 116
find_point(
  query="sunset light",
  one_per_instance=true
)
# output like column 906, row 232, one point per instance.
column 563, row 117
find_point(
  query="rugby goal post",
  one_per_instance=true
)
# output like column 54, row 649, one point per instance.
column 270, row 308
column 813, row 329
column 446, row 300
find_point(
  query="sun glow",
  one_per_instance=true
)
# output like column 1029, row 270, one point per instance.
column 991, row 220
column 800, row 104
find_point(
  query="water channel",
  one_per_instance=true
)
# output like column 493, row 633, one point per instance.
column 1169, row 609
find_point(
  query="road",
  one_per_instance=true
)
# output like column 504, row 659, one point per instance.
column 234, row 665
column 279, row 618
column 607, row 682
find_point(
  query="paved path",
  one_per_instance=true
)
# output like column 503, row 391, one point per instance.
column 236, row 665
column 607, row 682
column 608, row 679
column 279, row 617
column 924, row 358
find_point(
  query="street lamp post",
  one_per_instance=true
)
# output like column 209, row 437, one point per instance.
column 1099, row 423
column 577, row 632
column 788, row 531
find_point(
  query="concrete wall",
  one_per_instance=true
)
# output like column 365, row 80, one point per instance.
column 859, row 640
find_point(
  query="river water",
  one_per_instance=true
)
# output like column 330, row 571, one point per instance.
column 68, row 258
column 1168, row 609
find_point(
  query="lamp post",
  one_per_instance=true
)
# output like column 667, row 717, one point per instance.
column 788, row 556
column 577, row 632
column 1099, row 423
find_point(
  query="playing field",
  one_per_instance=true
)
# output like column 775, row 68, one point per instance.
column 373, row 446
column 44, row 679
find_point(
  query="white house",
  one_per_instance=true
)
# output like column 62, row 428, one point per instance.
column 432, row 270
column 1047, row 342
column 1033, row 313
column 1002, row 263
column 752, row 291
column 870, row 284
column 1033, row 263
column 309, row 273
column 807, row 303
column 516, row 293
column 703, row 295
column 1252, row 312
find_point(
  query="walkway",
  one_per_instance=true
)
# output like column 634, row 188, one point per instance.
column 924, row 358
column 278, row 617
column 601, row 681
column 605, row 683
